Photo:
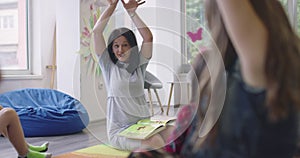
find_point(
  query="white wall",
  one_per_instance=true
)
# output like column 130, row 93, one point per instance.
column 68, row 43
column 92, row 89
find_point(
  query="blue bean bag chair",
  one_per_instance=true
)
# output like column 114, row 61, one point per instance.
column 46, row 112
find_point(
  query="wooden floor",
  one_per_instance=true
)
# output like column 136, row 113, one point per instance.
column 94, row 134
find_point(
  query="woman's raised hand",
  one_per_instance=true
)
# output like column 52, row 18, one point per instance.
column 112, row 2
column 131, row 5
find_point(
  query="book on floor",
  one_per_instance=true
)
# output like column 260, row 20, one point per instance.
column 146, row 128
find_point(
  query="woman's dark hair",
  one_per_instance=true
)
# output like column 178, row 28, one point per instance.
column 282, row 58
column 128, row 34
column 219, row 33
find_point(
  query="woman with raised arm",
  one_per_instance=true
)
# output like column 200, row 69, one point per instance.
column 123, row 67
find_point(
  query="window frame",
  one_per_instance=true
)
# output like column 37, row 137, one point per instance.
column 28, row 40
column 183, row 30
column 292, row 12
column 297, row 16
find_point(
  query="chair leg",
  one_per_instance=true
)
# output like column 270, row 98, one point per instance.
column 150, row 99
column 170, row 96
column 161, row 107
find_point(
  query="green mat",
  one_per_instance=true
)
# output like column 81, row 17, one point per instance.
column 97, row 151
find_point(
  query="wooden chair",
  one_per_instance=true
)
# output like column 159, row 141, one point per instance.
column 152, row 82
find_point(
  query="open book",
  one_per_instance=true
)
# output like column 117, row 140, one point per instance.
column 146, row 128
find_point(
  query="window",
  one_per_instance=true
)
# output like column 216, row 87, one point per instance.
column 195, row 18
column 13, row 40
column 7, row 22
column 284, row 3
column 293, row 10
column 298, row 17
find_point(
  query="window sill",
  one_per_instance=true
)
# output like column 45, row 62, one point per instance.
column 22, row 77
